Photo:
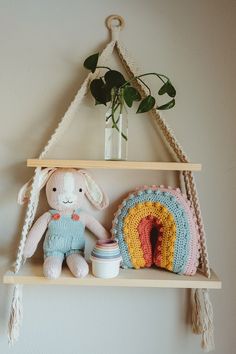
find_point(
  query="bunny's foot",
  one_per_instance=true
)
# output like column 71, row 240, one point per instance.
column 52, row 267
column 77, row 265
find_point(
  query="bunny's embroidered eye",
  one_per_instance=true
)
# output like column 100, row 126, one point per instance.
column 54, row 189
column 80, row 190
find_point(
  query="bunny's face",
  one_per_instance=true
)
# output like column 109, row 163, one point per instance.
column 65, row 190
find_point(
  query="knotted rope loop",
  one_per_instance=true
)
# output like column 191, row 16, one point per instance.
column 115, row 24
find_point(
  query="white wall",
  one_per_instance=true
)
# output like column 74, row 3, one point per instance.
column 43, row 45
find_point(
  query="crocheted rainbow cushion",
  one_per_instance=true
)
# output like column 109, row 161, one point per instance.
column 156, row 225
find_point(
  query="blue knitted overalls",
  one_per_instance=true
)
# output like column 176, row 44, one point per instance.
column 65, row 235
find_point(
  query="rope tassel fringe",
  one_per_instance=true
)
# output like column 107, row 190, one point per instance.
column 202, row 318
column 16, row 315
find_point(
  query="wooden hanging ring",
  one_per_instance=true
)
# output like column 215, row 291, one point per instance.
column 110, row 22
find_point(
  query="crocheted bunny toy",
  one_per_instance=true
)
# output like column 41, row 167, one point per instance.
column 65, row 223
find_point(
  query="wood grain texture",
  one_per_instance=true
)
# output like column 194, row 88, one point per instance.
column 121, row 165
column 32, row 274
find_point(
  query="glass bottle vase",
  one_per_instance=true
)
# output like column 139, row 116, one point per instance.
column 116, row 134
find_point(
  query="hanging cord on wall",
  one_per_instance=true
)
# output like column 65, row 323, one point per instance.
column 16, row 311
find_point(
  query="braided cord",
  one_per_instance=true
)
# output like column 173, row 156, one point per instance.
column 29, row 218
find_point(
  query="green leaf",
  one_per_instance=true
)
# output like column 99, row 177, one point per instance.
column 114, row 78
column 131, row 95
column 91, row 62
column 146, row 104
column 100, row 91
column 167, row 88
column 171, row 90
column 163, row 89
column 167, row 105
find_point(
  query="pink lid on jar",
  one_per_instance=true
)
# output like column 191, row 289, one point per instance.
column 106, row 244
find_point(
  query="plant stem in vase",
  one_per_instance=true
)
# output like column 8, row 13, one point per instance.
column 116, row 129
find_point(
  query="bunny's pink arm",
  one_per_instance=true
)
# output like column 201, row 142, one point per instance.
column 95, row 227
column 35, row 234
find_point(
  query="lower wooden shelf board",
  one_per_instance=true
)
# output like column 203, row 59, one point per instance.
column 32, row 274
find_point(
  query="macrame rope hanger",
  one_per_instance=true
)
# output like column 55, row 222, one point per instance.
column 202, row 313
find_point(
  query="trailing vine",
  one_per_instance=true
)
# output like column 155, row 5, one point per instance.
column 114, row 88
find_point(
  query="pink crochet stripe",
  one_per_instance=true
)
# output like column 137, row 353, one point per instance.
column 193, row 257
column 192, row 263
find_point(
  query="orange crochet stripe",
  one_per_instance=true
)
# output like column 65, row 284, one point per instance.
column 132, row 237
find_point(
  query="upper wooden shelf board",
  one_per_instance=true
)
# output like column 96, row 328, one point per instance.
column 153, row 278
column 121, row 165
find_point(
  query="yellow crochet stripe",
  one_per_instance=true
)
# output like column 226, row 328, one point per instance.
column 131, row 235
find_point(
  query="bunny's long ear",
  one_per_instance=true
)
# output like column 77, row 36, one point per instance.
column 24, row 192
column 93, row 192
